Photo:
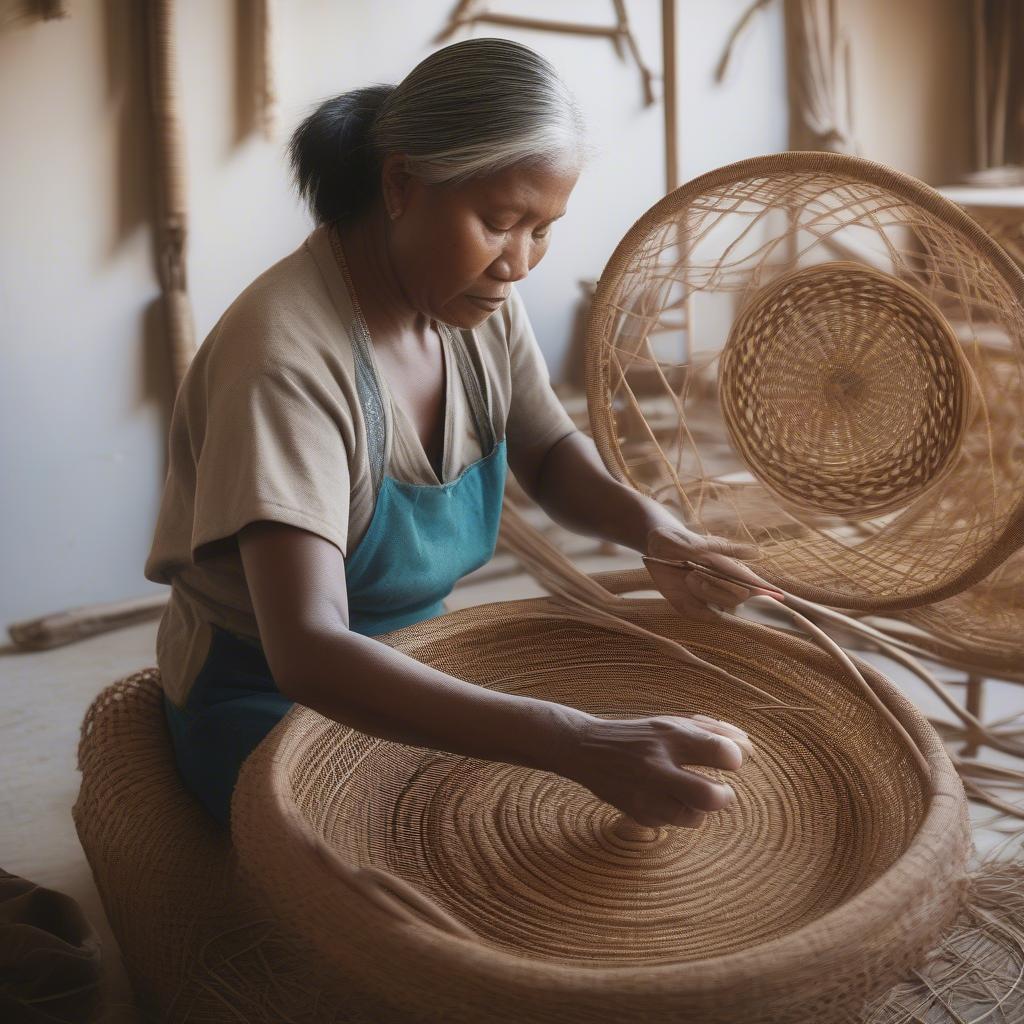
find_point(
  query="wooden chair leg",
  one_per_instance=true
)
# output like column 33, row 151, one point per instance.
column 975, row 685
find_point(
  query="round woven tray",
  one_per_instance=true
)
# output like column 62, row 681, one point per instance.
column 508, row 894
column 809, row 351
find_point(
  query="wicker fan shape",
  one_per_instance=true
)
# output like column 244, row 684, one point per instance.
column 809, row 351
column 509, row 894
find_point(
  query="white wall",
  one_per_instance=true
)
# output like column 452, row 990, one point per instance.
column 84, row 392
column 911, row 79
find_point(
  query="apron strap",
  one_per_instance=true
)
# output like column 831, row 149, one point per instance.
column 369, row 393
column 372, row 401
column 471, row 382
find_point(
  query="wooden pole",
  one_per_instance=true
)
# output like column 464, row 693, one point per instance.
column 980, row 87
column 668, row 66
column 974, row 693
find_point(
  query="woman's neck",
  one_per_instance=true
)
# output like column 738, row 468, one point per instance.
column 389, row 315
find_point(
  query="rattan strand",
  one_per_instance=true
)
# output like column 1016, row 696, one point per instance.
column 872, row 477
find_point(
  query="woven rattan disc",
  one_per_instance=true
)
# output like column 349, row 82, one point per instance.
column 844, row 390
column 512, row 894
column 825, row 357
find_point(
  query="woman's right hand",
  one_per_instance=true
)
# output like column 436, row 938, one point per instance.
column 635, row 764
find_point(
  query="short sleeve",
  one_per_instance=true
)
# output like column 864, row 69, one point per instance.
column 274, row 448
column 536, row 416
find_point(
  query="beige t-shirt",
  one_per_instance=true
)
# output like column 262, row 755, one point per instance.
column 267, row 425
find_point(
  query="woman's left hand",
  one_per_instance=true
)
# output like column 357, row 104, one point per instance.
column 691, row 592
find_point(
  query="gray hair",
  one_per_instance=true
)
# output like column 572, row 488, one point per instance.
column 467, row 110
column 477, row 107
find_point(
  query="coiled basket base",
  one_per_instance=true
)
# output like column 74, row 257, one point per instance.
column 834, row 874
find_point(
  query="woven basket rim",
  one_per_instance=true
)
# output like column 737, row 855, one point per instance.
column 898, row 887
column 596, row 362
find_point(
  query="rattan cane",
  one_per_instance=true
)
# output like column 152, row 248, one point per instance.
column 854, row 335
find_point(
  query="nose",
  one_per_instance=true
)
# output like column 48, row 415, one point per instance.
column 514, row 262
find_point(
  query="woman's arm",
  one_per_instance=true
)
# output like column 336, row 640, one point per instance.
column 572, row 484
column 297, row 583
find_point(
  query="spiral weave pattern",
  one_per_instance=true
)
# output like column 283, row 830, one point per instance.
column 844, row 390
column 511, row 894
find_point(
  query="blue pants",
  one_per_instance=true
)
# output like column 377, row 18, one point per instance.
column 232, row 705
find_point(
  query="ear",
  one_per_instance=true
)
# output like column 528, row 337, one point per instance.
column 396, row 183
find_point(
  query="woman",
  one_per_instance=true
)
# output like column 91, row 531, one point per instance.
column 339, row 446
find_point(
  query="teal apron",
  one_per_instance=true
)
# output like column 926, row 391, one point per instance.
column 421, row 540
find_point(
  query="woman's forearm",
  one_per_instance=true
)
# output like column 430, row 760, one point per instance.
column 361, row 682
column 635, row 764
column 578, row 492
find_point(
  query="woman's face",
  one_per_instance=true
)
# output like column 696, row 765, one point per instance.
column 457, row 249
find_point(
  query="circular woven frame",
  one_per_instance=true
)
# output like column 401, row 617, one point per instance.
column 807, row 351
column 843, row 390
column 508, row 894
column 981, row 629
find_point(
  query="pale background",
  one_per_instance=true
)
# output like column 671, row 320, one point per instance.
column 85, row 389
column 84, row 382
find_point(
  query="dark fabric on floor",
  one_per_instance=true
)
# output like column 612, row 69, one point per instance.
column 49, row 956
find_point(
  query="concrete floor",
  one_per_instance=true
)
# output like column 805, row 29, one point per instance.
column 46, row 695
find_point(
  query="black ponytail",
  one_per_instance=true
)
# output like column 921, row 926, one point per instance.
column 333, row 158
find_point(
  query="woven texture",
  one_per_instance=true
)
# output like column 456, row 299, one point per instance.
column 981, row 629
column 197, row 945
column 509, row 894
column 844, row 390
column 810, row 351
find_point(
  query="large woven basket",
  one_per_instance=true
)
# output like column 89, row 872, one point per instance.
column 369, row 880
column 821, row 355
column 196, row 944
